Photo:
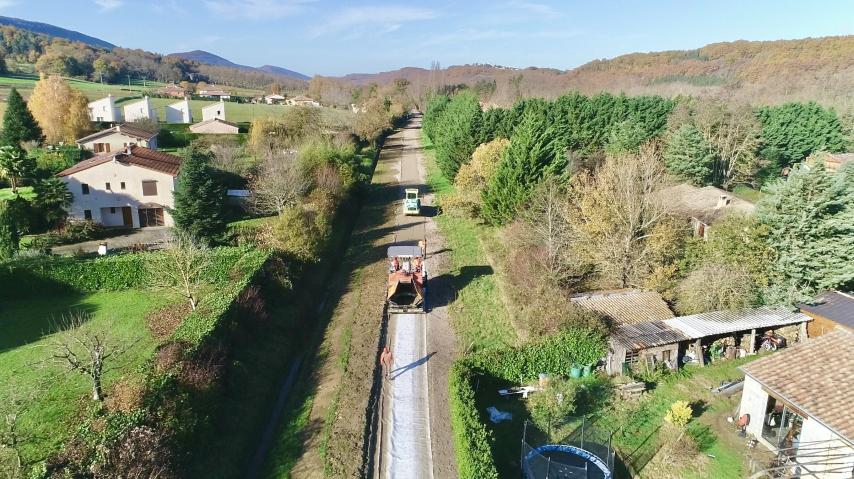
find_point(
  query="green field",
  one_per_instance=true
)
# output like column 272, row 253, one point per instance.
column 53, row 394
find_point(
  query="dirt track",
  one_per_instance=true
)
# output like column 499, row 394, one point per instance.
column 347, row 363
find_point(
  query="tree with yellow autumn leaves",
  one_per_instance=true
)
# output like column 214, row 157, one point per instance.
column 61, row 112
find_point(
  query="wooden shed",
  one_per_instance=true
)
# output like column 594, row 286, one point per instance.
column 647, row 343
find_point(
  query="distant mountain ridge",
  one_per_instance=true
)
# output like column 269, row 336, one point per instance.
column 767, row 72
column 54, row 31
column 209, row 58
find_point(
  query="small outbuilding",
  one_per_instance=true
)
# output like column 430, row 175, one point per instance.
column 829, row 311
column 215, row 126
column 650, row 343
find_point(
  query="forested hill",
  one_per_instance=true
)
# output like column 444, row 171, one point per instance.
column 54, row 31
column 819, row 69
column 207, row 58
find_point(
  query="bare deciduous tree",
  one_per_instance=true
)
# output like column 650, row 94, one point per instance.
column 279, row 183
column 86, row 350
column 181, row 266
column 618, row 221
column 715, row 287
column 12, row 439
column 224, row 156
column 547, row 228
column 733, row 131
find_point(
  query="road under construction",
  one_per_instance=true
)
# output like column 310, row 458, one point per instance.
column 403, row 433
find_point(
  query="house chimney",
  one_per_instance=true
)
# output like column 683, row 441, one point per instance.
column 723, row 201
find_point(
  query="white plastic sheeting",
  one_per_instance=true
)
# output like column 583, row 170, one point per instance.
column 408, row 446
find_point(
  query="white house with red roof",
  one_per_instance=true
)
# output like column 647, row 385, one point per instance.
column 131, row 187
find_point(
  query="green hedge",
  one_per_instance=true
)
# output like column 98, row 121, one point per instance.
column 53, row 274
column 553, row 355
column 472, row 441
column 37, row 276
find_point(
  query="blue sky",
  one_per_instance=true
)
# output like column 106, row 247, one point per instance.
column 339, row 37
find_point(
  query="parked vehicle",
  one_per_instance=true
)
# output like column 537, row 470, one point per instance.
column 412, row 202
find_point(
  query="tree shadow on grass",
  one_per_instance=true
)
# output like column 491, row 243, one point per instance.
column 28, row 319
column 442, row 288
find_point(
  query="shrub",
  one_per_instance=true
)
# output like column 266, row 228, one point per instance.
column 472, row 441
column 297, row 232
column 554, row 355
column 679, row 414
column 554, row 404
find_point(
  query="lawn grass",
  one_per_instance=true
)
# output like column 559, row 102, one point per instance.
column 246, row 112
column 479, row 316
column 25, row 349
column 25, row 192
column 636, row 424
column 748, row 194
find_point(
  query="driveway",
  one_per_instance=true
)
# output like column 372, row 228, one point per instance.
column 152, row 237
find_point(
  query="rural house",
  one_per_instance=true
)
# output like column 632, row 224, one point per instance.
column 830, row 310
column 274, row 99
column 117, row 138
column 798, row 404
column 832, row 161
column 172, row 90
column 301, row 100
column 216, row 110
column 104, row 110
column 142, row 109
column 215, row 126
column 129, row 187
column 179, row 112
column 703, row 206
column 214, row 93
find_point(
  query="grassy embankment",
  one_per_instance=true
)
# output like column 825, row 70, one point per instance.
column 261, row 357
column 53, row 394
column 479, row 316
column 482, row 321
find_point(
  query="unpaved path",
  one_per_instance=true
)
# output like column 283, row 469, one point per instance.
column 346, row 375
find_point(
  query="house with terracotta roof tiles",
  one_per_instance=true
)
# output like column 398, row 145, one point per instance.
column 799, row 403
column 118, row 138
column 130, row 187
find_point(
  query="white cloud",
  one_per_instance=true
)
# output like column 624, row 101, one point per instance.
column 4, row 4
column 256, row 9
column 169, row 8
column 382, row 19
column 109, row 4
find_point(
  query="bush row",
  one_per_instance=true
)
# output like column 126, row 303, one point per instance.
column 53, row 274
column 554, row 355
column 472, row 441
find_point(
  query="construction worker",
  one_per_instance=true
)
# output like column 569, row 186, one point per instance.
column 417, row 262
column 386, row 360
column 395, row 264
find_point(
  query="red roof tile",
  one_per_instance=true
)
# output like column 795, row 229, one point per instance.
column 139, row 156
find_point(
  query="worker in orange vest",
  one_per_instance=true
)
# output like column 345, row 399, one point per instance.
column 386, row 360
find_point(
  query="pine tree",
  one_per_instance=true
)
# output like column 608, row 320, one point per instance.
column 793, row 131
column 9, row 239
column 18, row 123
column 689, row 156
column 810, row 216
column 456, row 133
column 199, row 199
column 530, row 157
